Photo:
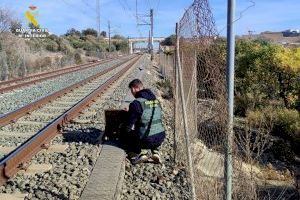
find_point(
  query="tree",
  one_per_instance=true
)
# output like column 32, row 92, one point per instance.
column 121, row 45
column 288, row 73
column 118, row 37
column 14, row 25
column 169, row 41
column 103, row 34
column 5, row 20
column 265, row 72
column 3, row 63
column 73, row 32
column 90, row 31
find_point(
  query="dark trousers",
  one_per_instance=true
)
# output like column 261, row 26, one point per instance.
column 132, row 141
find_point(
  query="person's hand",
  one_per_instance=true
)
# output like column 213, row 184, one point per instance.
column 125, row 109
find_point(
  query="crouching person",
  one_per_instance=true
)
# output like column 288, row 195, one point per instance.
column 144, row 131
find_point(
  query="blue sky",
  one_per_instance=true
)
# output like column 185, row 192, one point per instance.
column 60, row 15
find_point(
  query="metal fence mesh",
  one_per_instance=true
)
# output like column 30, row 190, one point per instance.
column 200, row 55
column 203, row 71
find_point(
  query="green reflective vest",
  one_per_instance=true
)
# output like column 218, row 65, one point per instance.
column 150, row 122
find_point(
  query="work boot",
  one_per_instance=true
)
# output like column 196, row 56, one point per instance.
column 140, row 158
column 155, row 156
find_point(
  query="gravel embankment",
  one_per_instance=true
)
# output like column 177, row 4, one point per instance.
column 18, row 98
column 72, row 168
column 12, row 141
column 157, row 181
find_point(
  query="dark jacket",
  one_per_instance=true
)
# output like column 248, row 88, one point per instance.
column 134, row 115
column 135, row 109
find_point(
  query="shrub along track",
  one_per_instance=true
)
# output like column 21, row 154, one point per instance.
column 43, row 123
column 6, row 86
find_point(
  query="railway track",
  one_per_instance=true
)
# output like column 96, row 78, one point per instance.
column 29, row 133
column 9, row 85
column 10, row 101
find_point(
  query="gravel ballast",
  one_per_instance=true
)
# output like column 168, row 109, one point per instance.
column 157, row 181
column 18, row 98
column 72, row 168
column 58, row 109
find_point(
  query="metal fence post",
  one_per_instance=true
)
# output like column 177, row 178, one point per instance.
column 185, row 123
column 230, row 98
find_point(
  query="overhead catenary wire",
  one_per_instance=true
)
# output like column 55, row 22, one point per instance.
column 78, row 9
column 241, row 14
column 88, row 14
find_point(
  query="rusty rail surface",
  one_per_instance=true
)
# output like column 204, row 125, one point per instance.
column 16, row 114
column 51, row 72
column 12, row 163
column 46, row 75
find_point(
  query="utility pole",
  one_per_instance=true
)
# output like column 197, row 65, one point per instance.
column 250, row 33
column 151, row 22
column 98, row 23
column 149, row 42
column 230, row 99
column 109, row 37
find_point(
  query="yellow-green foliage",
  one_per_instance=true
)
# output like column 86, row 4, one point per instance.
column 289, row 58
column 283, row 122
column 286, row 122
column 267, row 72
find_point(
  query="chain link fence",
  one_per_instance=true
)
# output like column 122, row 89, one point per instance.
column 167, row 65
column 203, row 79
column 199, row 66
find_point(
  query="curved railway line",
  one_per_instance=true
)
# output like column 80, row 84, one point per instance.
column 30, row 128
column 6, row 86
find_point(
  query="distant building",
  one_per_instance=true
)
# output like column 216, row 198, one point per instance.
column 290, row 37
column 291, row 33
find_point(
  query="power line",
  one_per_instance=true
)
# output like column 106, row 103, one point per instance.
column 89, row 6
column 241, row 14
column 80, row 10
column 149, row 5
column 125, row 9
column 157, row 5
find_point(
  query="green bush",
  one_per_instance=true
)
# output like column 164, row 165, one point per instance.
column 88, row 46
column 77, row 58
column 66, row 60
column 283, row 151
column 297, row 103
column 166, row 87
column 34, row 44
column 283, row 122
column 247, row 102
column 296, row 144
column 64, row 46
column 76, row 43
column 51, row 45
column 287, row 124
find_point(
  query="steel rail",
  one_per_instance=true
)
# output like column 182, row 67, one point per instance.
column 12, row 163
column 14, row 115
column 47, row 75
